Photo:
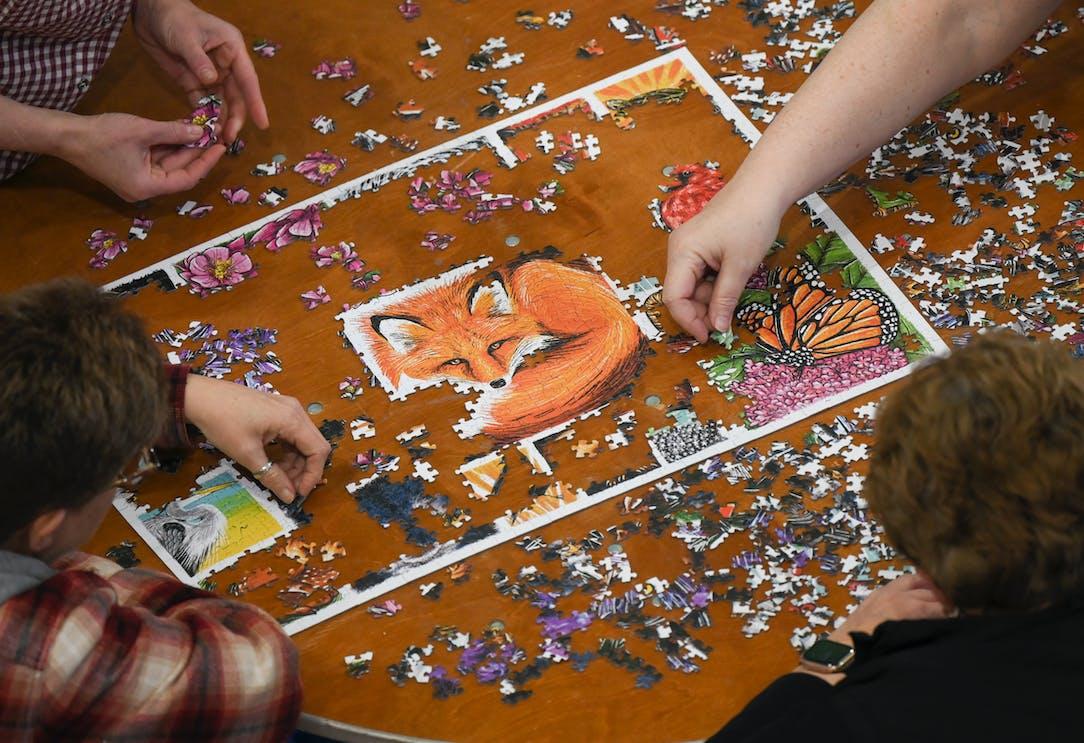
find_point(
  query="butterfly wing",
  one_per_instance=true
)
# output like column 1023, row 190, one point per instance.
column 761, row 321
column 799, row 294
column 864, row 319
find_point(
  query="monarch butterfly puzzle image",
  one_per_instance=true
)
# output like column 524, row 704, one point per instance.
column 806, row 323
column 803, row 338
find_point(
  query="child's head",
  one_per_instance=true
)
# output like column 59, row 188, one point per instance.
column 978, row 473
column 81, row 393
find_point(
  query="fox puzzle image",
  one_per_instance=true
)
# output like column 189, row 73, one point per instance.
column 507, row 334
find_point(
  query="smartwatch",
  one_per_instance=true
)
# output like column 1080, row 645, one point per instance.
column 827, row 656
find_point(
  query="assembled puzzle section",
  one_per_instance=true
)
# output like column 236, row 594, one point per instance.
column 520, row 367
column 224, row 518
column 524, row 339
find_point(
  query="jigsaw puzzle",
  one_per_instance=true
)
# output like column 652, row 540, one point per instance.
column 225, row 517
column 510, row 362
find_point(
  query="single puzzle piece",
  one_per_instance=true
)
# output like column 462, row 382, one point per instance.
column 297, row 549
column 617, row 440
column 252, row 580
column 358, row 665
column 544, row 141
column 483, row 476
column 323, row 124
column 411, row 434
column 919, row 217
column 425, row 471
column 591, row 147
column 429, row 47
column 362, row 428
column 330, row 550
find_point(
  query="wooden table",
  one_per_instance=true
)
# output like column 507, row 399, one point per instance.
column 52, row 209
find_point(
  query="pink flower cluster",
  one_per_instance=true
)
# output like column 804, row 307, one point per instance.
column 206, row 116
column 778, row 389
column 448, row 191
column 320, row 167
column 106, row 246
column 452, row 189
column 297, row 224
column 326, row 256
column 315, row 297
column 220, row 267
column 339, row 69
column 235, row 196
column 759, row 279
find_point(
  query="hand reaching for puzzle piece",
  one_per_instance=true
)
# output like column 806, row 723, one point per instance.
column 240, row 422
column 711, row 257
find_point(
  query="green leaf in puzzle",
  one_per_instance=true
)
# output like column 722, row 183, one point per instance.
column 725, row 371
column 856, row 276
column 749, row 296
column 828, row 252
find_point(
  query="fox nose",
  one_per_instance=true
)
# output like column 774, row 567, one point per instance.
column 497, row 383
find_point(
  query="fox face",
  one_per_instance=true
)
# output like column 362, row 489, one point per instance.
column 479, row 337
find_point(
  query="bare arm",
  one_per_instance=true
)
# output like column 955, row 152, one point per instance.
column 29, row 129
column 898, row 58
column 137, row 158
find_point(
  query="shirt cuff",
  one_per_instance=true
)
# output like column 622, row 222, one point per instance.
column 175, row 432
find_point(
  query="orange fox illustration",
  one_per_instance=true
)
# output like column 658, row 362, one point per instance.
column 545, row 341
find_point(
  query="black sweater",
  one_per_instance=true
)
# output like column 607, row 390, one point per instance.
column 978, row 678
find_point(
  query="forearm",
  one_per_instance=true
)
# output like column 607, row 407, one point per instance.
column 42, row 131
column 898, row 58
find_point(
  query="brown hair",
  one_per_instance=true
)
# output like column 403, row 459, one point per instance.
column 81, row 391
column 978, row 473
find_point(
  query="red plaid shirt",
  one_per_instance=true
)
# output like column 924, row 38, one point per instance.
column 95, row 652
column 89, row 651
column 50, row 51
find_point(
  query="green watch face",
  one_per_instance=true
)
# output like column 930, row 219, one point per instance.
column 827, row 652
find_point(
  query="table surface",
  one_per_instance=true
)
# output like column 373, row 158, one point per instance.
column 52, row 209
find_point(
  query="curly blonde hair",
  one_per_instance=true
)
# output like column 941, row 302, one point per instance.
column 978, row 473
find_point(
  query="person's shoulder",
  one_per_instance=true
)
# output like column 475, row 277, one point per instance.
column 36, row 620
column 796, row 705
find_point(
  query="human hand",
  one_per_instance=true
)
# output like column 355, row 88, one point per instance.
column 240, row 422
column 138, row 158
column 908, row 597
column 201, row 51
column 711, row 257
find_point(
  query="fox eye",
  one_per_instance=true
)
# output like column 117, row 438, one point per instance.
column 455, row 362
column 496, row 345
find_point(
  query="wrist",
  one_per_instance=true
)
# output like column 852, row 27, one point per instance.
column 841, row 635
column 194, row 395
column 69, row 136
column 42, row 131
column 768, row 193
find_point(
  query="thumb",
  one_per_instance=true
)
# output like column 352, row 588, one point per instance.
column 274, row 479
column 729, row 285
column 198, row 62
column 172, row 132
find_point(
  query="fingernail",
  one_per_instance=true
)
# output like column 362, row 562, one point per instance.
column 195, row 131
column 721, row 325
column 207, row 75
